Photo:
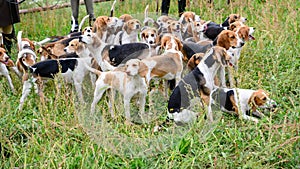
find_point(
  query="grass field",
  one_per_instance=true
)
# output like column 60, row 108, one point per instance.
column 62, row 135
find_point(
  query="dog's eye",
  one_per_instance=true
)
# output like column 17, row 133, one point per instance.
column 232, row 37
column 198, row 24
column 72, row 45
column 264, row 99
column 152, row 35
column 235, row 17
column 1, row 53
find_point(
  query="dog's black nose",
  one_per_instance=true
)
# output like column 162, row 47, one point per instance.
column 242, row 44
column 65, row 49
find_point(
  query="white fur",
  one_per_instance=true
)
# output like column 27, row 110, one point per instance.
column 128, row 83
column 241, row 97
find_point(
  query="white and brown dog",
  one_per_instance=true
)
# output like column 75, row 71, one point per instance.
column 167, row 65
column 73, row 70
column 129, row 83
column 241, row 102
column 4, row 62
column 102, row 24
column 26, row 55
column 130, row 32
column 109, row 56
column 196, row 86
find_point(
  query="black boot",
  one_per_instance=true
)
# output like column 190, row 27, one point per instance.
column 75, row 28
column 181, row 6
column 165, row 5
column 7, row 40
column 91, row 20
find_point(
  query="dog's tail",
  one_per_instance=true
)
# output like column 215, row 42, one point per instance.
column 82, row 22
column 19, row 40
column 112, row 8
column 93, row 70
column 146, row 11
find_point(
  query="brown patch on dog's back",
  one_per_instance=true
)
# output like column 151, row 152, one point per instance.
column 111, row 79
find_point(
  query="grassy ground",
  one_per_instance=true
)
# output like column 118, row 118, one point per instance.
column 62, row 135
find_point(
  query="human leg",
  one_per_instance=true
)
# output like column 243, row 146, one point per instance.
column 165, row 5
column 181, row 6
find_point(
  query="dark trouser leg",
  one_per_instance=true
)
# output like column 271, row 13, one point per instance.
column 90, row 10
column 7, row 39
column 181, row 6
column 75, row 11
column 165, row 5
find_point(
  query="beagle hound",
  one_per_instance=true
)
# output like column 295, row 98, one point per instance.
column 130, row 32
column 244, row 33
column 168, row 65
column 26, row 55
column 195, row 85
column 241, row 102
column 82, row 51
column 109, row 56
column 4, row 62
column 214, row 29
column 174, row 27
column 73, row 70
column 149, row 35
column 187, row 19
column 128, row 83
column 102, row 24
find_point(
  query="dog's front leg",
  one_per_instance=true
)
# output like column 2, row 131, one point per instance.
column 127, row 109
column 99, row 91
column 111, row 94
column 222, row 76
column 142, row 102
column 78, row 89
column 27, row 85
column 39, row 82
column 10, row 83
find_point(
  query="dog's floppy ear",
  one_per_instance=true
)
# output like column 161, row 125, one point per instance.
column 223, row 40
column 179, row 44
column 232, row 26
column 125, row 27
column 158, row 39
column 244, row 33
column 143, row 35
column 143, row 69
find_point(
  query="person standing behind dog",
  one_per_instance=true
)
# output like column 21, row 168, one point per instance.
column 165, row 5
column 8, row 17
column 75, row 10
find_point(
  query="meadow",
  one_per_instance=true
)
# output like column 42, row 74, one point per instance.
column 61, row 134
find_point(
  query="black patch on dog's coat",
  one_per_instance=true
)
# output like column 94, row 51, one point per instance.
column 213, row 31
column 121, row 53
column 209, row 61
column 188, row 88
column 192, row 48
column 49, row 68
column 223, row 99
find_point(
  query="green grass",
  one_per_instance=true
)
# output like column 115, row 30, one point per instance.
column 62, row 135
